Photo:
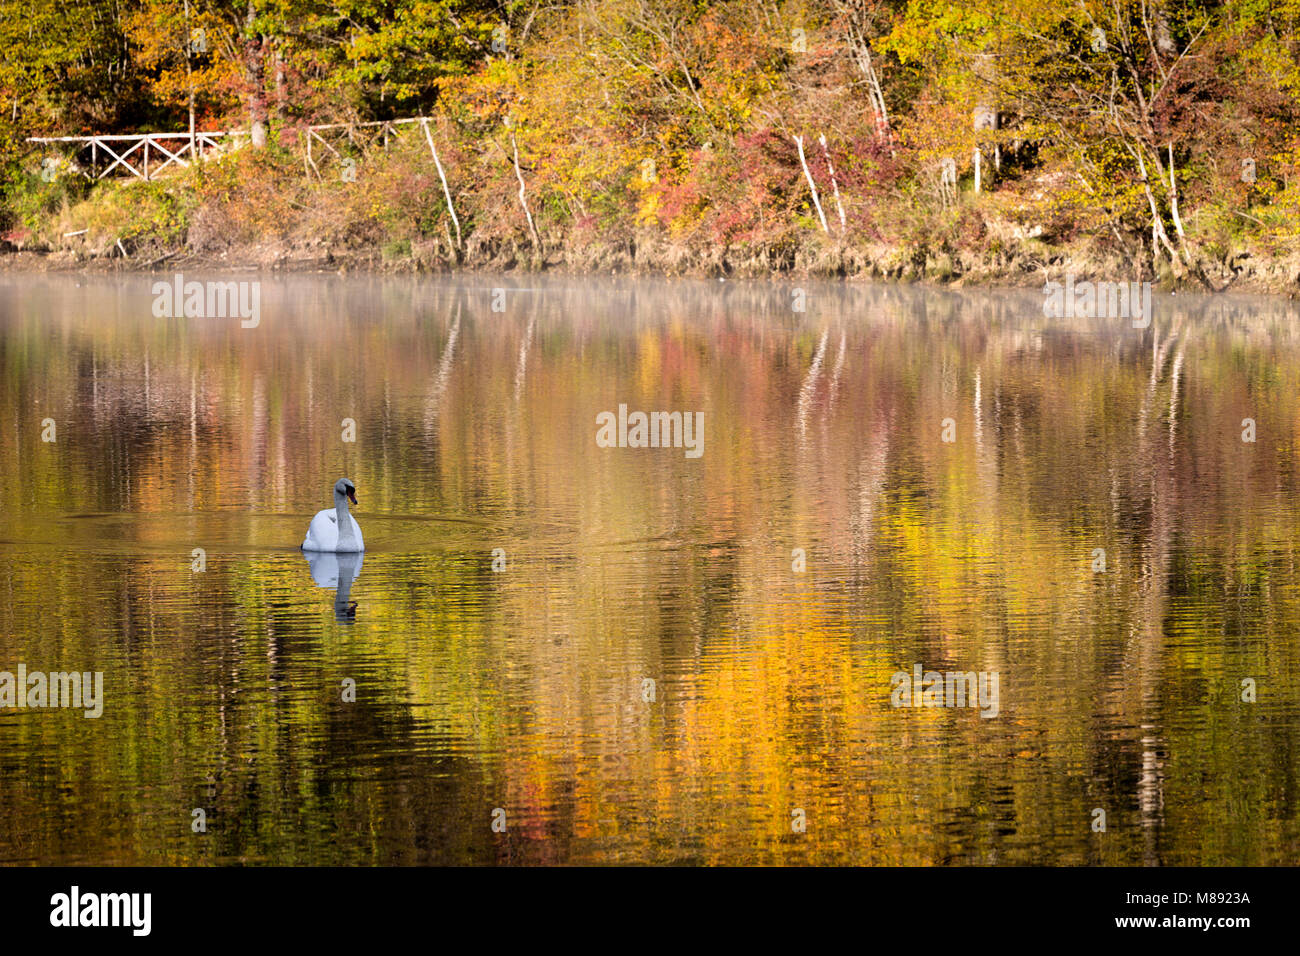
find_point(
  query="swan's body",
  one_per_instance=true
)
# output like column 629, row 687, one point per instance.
column 323, row 533
column 335, row 529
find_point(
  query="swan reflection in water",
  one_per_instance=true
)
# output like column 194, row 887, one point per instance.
column 330, row 570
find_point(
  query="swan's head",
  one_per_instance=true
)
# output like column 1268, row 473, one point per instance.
column 345, row 487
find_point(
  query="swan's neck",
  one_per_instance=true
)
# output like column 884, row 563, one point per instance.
column 344, row 519
column 347, row 571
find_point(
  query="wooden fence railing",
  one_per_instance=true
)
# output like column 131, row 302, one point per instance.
column 145, row 155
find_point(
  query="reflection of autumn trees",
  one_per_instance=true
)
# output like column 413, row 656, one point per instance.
column 524, row 689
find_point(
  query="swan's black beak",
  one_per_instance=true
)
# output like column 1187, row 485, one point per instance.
column 353, row 495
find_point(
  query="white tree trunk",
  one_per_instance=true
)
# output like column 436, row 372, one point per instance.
column 834, row 185
column 798, row 141
column 523, row 196
column 446, row 191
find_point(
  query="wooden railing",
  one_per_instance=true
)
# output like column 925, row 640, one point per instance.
column 131, row 151
column 358, row 135
column 145, row 155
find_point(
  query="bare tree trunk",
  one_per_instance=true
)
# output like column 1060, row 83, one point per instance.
column 1182, row 260
column 281, row 89
column 834, row 185
column 1157, row 226
column 798, row 141
column 877, row 94
column 861, row 48
column 1191, row 261
column 1173, row 209
column 523, row 198
column 446, row 191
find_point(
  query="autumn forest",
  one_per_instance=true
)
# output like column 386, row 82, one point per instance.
column 956, row 142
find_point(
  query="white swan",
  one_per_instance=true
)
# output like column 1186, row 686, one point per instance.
column 336, row 530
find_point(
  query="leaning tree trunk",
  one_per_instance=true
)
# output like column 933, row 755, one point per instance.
column 834, row 184
column 446, row 190
column 523, row 196
column 860, row 48
column 812, row 185
column 1158, row 234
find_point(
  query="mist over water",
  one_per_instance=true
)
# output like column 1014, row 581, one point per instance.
column 524, row 688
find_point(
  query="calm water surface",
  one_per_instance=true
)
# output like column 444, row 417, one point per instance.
column 525, row 689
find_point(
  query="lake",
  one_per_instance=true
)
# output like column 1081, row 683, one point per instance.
column 562, row 648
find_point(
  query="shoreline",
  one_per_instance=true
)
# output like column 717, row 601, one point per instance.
column 881, row 263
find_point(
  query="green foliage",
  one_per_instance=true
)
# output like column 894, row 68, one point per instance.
column 155, row 212
column 31, row 199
